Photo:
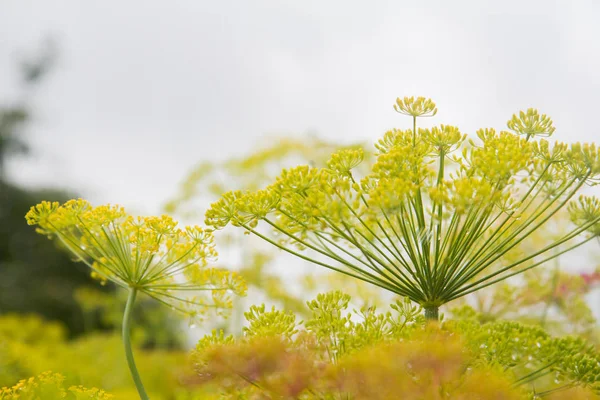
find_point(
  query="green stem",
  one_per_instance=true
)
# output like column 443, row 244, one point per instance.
column 127, row 342
column 432, row 313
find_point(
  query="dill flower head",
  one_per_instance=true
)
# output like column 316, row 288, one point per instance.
column 586, row 211
column 530, row 123
column 419, row 107
column 437, row 217
column 150, row 254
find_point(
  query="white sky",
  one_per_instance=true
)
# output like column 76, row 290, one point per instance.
column 144, row 90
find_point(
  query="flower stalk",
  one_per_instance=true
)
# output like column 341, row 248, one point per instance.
column 432, row 313
column 127, row 343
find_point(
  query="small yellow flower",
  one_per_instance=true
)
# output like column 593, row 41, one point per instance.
column 530, row 123
column 586, row 213
column 393, row 139
column 223, row 211
column 445, row 138
column 344, row 161
column 419, row 107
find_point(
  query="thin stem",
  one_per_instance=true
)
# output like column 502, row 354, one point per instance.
column 127, row 342
column 535, row 374
column 502, row 248
column 473, row 287
column 371, row 279
column 558, row 389
column 330, row 254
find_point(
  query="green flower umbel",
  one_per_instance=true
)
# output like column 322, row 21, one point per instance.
column 437, row 217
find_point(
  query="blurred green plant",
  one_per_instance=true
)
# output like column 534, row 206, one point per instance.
column 29, row 346
column 553, row 299
column 209, row 180
column 428, row 222
column 364, row 354
column 49, row 386
column 255, row 262
column 36, row 276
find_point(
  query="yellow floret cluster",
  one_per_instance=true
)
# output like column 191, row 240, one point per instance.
column 150, row 254
column 436, row 215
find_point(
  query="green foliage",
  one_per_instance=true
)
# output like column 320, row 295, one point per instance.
column 36, row 275
column 365, row 354
column 533, row 355
column 30, row 346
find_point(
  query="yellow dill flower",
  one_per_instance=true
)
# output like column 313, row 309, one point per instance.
column 437, row 217
column 530, row 123
column 344, row 161
column 150, row 254
column 393, row 139
column 445, row 138
column 586, row 212
column 419, row 107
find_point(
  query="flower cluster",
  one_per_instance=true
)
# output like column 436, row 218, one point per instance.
column 418, row 107
column 530, row 123
column 149, row 254
column 437, row 217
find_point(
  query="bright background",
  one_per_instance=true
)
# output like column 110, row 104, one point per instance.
column 143, row 90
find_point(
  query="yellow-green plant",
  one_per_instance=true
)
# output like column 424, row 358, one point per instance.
column 365, row 354
column 29, row 346
column 209, row 180
column 438, row 217
column 148, row 255
column 49, row 386
column 254, row 261
column 551, row 298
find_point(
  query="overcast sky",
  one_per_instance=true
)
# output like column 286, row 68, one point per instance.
column 143, row 90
